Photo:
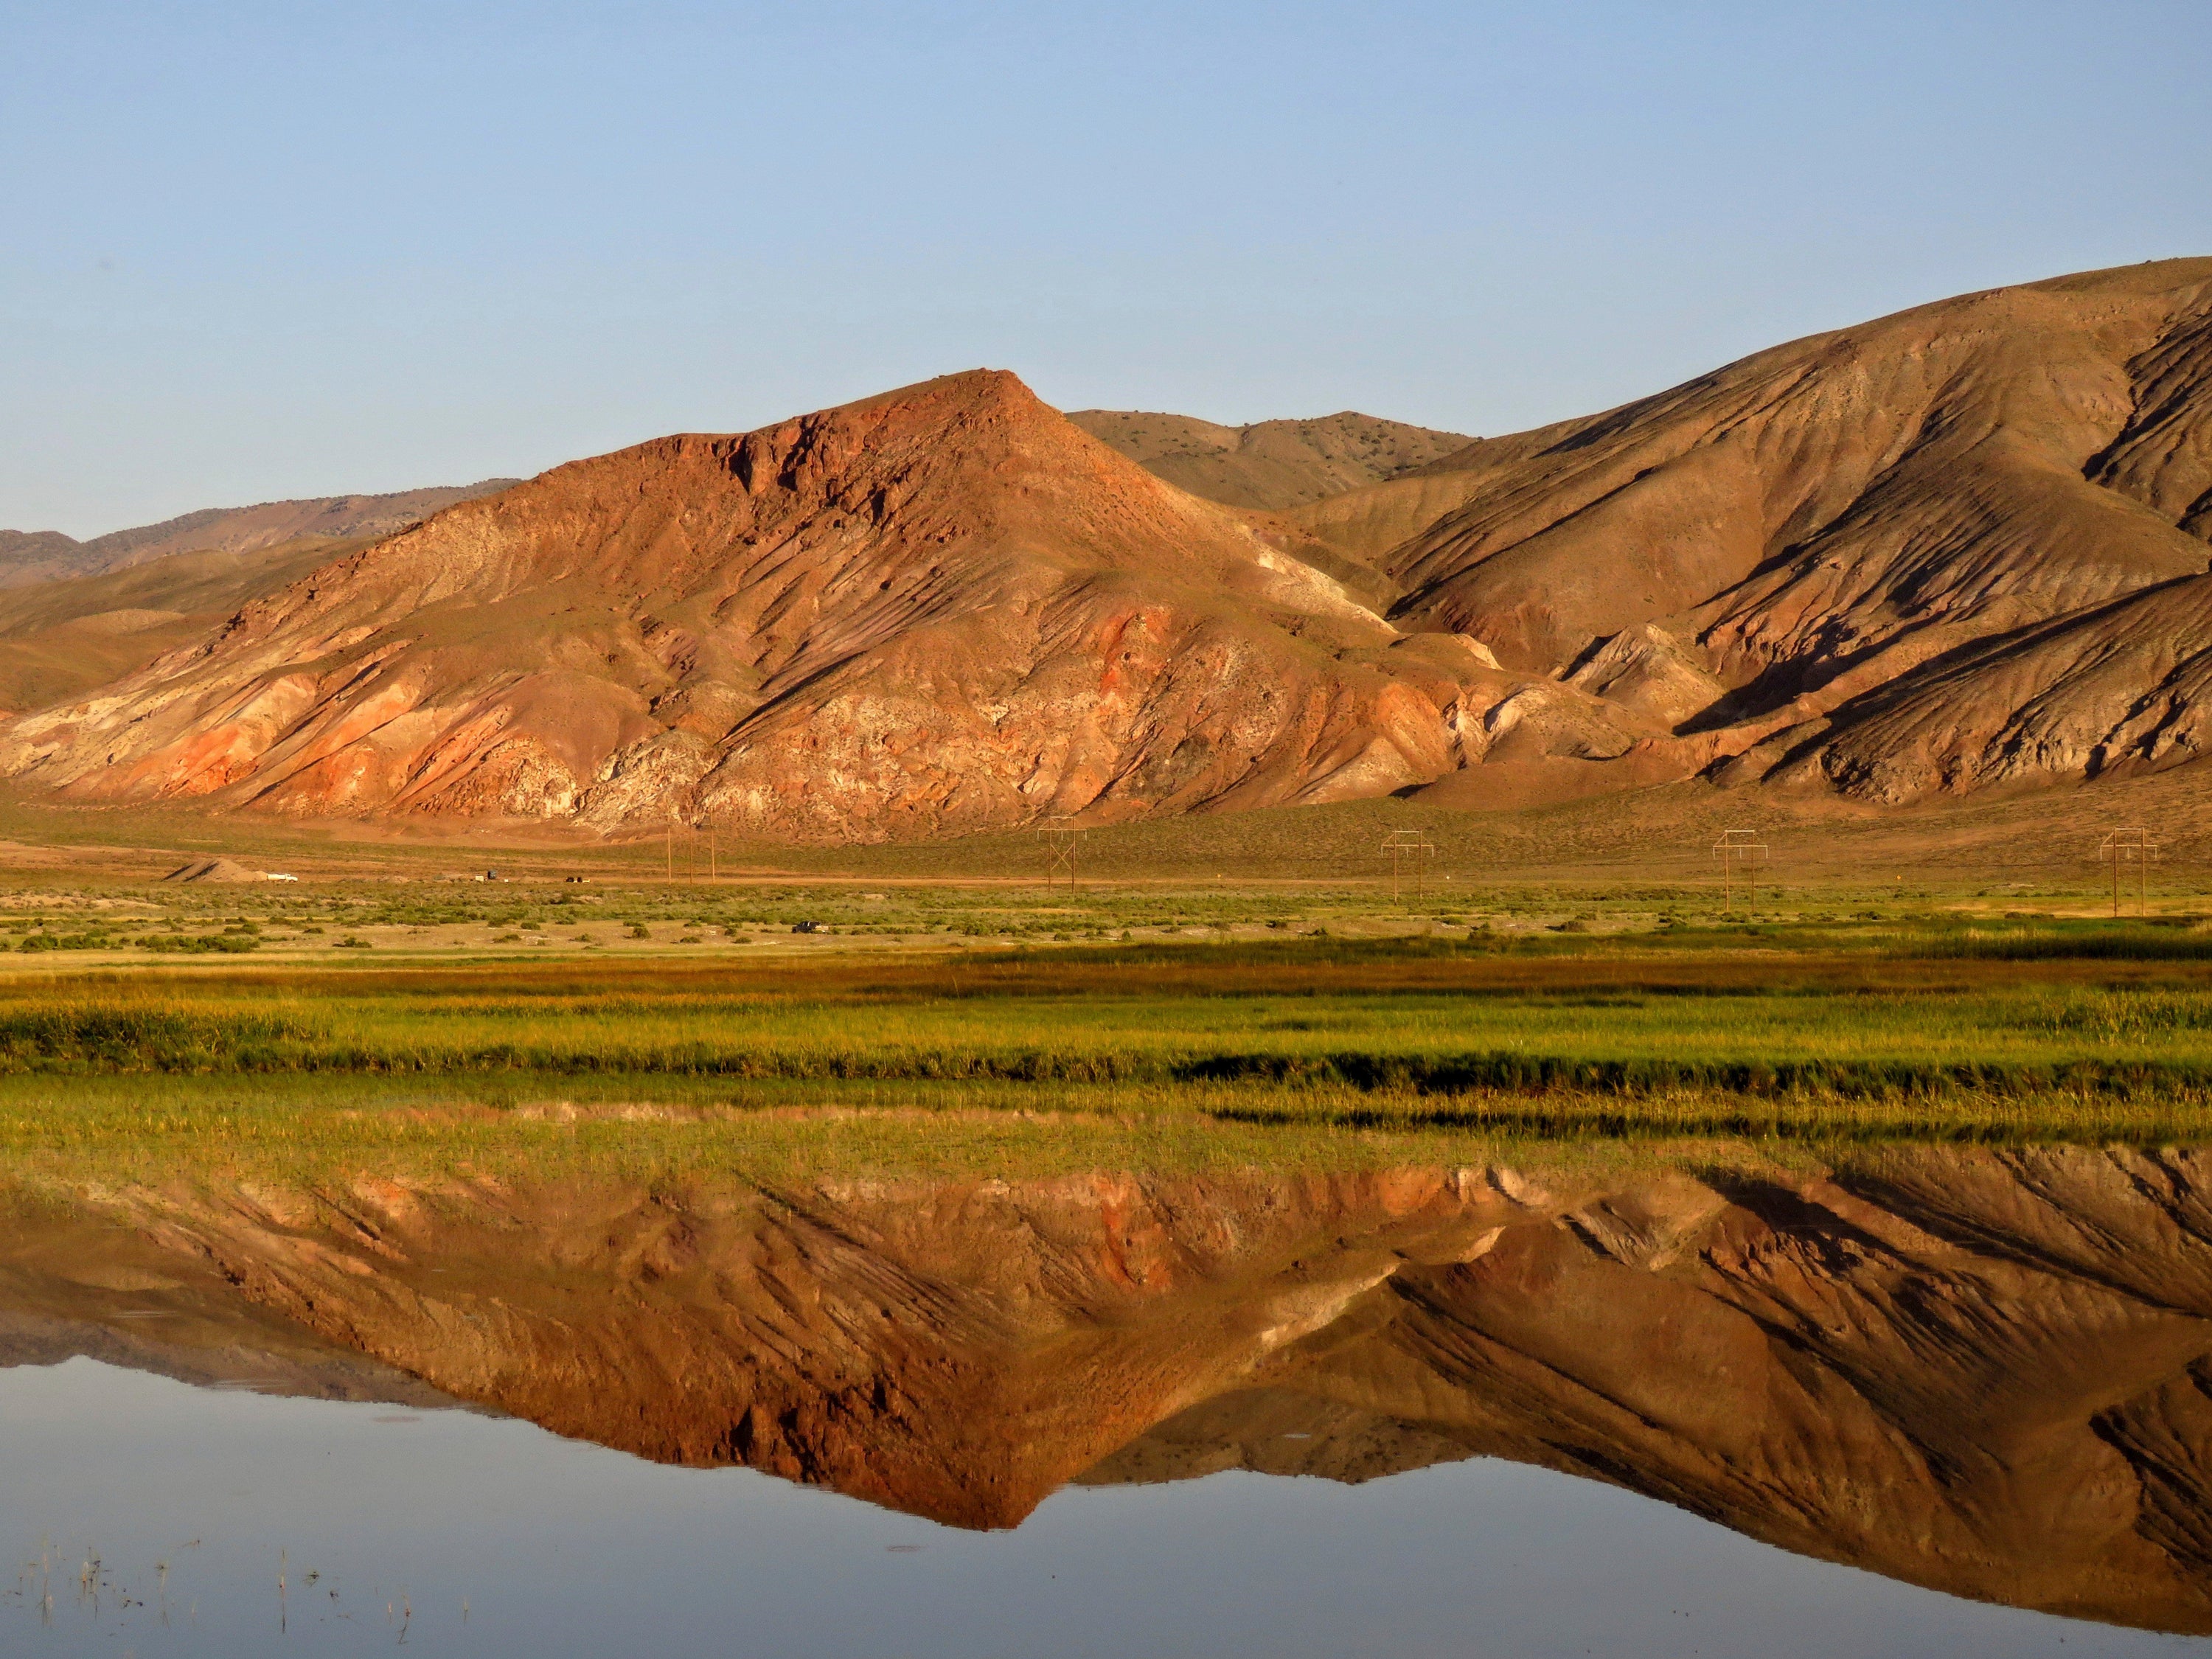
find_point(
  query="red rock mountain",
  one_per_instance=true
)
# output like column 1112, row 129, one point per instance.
column 1963, row 546
column 942, row 608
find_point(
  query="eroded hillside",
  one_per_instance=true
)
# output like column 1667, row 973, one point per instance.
column 1960, row 546
column 942, row 608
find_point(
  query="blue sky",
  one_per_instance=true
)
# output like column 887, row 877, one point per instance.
column 251, row 250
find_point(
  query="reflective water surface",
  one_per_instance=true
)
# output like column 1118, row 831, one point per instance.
column 1938, row 1399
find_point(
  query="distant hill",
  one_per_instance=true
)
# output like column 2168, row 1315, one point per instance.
column 62, row 637
column 1272, row 465
column 44, row 555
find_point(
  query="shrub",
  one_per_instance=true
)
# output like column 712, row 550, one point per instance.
column 203, row 944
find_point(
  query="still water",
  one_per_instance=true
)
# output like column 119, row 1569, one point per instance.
column 1956, row 1402
column 383, row 1524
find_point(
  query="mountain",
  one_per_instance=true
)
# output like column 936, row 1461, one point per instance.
column 1986, row 1372
column 1964, row 546
column 1270, row 464
column 45, row 554
column 1960, row 546
column 946, row 608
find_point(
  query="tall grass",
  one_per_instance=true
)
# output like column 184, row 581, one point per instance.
column 1189, row 1051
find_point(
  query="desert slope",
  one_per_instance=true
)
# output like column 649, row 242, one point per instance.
column 1269, row 465
column 1774, row 545
column 945, row 608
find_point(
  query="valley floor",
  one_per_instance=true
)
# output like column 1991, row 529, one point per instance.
column 1300, row 1044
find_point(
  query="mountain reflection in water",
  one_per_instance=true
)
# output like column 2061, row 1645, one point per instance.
column 1988, row 1373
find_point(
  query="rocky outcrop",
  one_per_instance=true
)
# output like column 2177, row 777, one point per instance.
column 1986, row 1372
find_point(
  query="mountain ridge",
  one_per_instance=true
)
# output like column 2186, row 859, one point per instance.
column 46, row 555
column 1962, row 547
column 941, row 607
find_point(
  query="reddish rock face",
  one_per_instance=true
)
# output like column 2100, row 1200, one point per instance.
column 1986, row 1372
column 942, row 608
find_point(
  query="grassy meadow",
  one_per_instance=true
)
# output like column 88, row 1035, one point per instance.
column 1241, row 988
column 988, row 1028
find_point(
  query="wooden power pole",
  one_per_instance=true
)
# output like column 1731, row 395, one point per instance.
column 2132, row 846
column 1739, row 850
column 1063, row 844
column 1400, row 846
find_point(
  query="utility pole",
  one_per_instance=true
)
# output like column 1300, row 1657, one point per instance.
column 1397, row 847
column 1062, row 844
column 668, row 841
column 1740, row 849
column 2133, row 845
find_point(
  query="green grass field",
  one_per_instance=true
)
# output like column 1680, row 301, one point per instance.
column 1245, row 1045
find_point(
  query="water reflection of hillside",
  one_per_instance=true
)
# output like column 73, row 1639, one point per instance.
column 1990, row 1373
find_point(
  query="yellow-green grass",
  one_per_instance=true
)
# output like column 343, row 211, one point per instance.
column 1435, row 1019
column 79, row 1132
column 1313, row 1052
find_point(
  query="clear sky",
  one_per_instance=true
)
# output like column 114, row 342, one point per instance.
column 253, row 251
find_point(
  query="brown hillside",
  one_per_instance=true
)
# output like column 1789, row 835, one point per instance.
column 1272, row 465
column 47, row 554
column 944, row 608
column 1887, row 558
column 1958, row 547
column 62, row 638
